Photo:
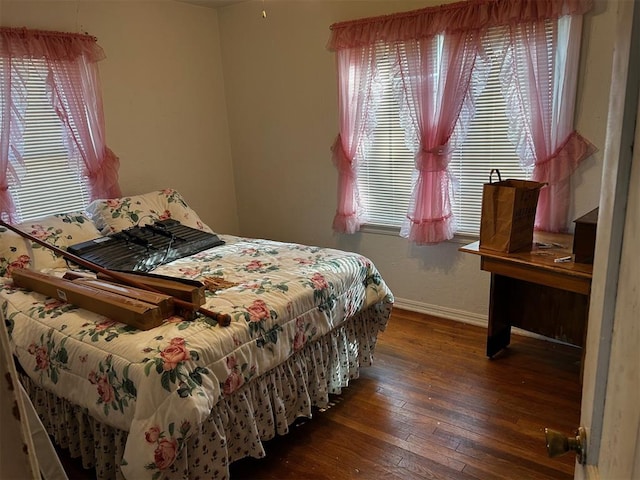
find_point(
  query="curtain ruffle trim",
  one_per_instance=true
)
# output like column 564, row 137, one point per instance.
column 455, row 17
column 104, row 182
column 564, row 161
column 7, row 207
column 346, row 223
column 340, row 158
column 433, row 159
column 26, row 43
column 429, row 232
column 238, row 424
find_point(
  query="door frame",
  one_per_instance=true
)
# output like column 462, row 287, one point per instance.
column 604, row 357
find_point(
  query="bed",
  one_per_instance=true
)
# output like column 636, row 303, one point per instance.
column 186, row 399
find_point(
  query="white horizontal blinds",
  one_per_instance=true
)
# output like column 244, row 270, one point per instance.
column 49, row 186
column 486, row 147
column 385, row 176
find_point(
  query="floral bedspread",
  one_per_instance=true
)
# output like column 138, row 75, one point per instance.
column 160, row 384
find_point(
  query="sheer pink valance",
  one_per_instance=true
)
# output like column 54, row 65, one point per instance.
column 26, row 43
column 450, row 18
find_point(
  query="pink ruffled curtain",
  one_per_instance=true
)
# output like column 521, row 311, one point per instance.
column 435, row 85
column 356, row 104
column 79, row 106
column 12, row 109
column 427, row 225
column 76, row 96
column 541, row 128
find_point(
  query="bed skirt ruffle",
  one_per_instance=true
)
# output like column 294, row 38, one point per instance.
column 239, row 423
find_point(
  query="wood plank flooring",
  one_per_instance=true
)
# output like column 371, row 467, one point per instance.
column 434, row 407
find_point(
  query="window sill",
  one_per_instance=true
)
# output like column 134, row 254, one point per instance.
column 459, row 238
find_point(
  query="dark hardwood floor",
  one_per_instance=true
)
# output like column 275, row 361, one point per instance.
column 434, row 407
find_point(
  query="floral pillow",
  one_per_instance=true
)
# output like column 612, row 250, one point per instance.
column 60, row 230
column 116, row 214
column 14, row 252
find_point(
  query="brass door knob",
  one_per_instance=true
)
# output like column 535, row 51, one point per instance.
column 558, row 444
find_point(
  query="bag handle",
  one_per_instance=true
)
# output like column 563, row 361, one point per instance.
column 491, row 175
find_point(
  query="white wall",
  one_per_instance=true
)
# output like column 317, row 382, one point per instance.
column 282, row 98
column 279, row 89
column 163, row 94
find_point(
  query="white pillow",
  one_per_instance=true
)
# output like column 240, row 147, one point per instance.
column 14, row 252
column 116, row 214
column 60, row 230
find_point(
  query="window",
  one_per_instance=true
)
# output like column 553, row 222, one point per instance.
column 48, row 184
column 47, row 154
column 385, row 179
column 538, row 53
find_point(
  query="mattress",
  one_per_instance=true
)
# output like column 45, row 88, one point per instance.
column 303, row 321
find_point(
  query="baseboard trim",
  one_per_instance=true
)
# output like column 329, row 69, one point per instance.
column 442, row 312
column 461, row 316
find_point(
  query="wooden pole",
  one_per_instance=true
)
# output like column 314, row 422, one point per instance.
column 222, row 319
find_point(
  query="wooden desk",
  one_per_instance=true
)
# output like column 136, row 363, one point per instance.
column 530, row 291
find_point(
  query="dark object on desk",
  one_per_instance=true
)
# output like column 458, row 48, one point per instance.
column 584, row 238
column 508, row 214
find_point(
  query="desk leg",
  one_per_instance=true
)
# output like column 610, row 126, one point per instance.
column 499, row 328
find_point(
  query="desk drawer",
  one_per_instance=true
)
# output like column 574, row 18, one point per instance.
column 548, row 311
column 562, row 280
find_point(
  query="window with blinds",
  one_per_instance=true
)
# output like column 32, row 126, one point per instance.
column 48, row 184
column 486, row 147
column 385, row 179
column 385, row 176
